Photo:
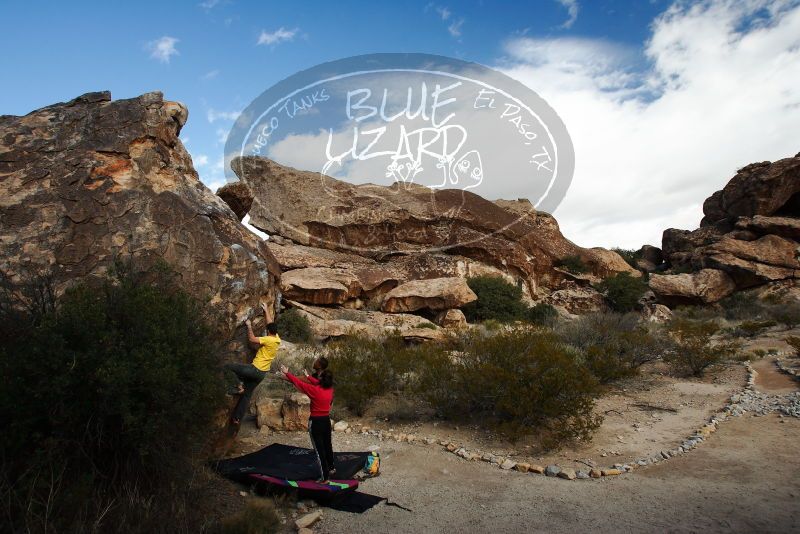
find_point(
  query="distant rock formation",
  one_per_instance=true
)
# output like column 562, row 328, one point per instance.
column 748, row 237
column 91, row 180
column 363, row 241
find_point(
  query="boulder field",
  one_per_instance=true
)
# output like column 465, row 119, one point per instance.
column 406, row 248
column 747, row 238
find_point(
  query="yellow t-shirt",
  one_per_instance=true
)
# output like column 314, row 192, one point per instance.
column 265, row 354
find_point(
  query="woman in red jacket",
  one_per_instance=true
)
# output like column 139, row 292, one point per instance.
column 320, row 391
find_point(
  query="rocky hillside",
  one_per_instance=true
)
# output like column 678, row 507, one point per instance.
column 91, row 180
column 362, row 250
column 748, row 237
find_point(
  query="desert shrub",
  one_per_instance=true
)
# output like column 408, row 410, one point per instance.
column 622, row 355
column 513, row 381
column 497, row 300
column 294, row 327
column 794, row 342
column 742, row 306
column 752, row 328
column 573, row 264
column 364, row 368
column 613, row 345
column 629, row 255
column 107, row 396
column 541, row 314
column 786, row 313
column 596, row 328
column 257, row 517
column 623, row 291
column 429, row 326
column 491, row 325
column 696, row 313
column 695, row 351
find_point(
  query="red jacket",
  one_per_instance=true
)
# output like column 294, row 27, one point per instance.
column 321, row 398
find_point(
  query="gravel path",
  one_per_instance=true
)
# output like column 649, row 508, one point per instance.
column 743, row 479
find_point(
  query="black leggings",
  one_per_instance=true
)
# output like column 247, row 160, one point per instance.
column 250, row 377
column 319, row 428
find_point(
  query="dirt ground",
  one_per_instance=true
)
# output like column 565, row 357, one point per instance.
column 742, row 479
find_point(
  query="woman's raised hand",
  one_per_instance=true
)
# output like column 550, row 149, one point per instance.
column 284, row 369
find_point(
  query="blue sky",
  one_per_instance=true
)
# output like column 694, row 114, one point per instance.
column 610, row 68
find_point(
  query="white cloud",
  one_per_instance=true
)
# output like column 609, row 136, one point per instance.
column 208, row 4
column 214, row 115
column 201, row 160
column 721, row 89
column 278, row 36
column 163, row 49
column 572, row 8
column 454, row 29
column 210, row 75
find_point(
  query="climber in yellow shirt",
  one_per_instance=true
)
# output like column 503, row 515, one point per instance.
column 251, row 374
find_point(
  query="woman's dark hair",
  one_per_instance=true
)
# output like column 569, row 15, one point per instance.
column 326, row 379
column 323, row 363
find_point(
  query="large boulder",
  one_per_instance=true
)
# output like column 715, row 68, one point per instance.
column 431, row 294
column 577, row 300
column 295, row 411
column 331, row 323
column 405, row 218
column 92, row 180
column 453, row 318
column 763, row 188
column 762, row 225
column 238, row 197
column 750, row 229
column 320, row 285
column 703, row 287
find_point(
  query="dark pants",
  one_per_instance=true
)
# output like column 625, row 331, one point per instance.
column 319, row 428
column 250, row 377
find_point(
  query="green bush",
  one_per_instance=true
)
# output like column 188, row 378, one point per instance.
column 753, row 328
column 497, row 300
column 294, row 327
column 573, row 264
column 491, row 325
column 695, row 351
column 107, row 394
column 613, row 345
column 794, row 342
column 364, row 368
column 623, row 291
column 743, row 306
column 629, row 255
column 786, row 313
column 515, row 382
column 696, row 313
column 257, row 517
column 541, row 314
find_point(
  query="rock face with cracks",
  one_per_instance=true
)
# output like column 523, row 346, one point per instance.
column 93, row 180
column 750, row 232
column 405, row 219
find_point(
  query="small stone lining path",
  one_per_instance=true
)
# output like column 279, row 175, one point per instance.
column 774, row 397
